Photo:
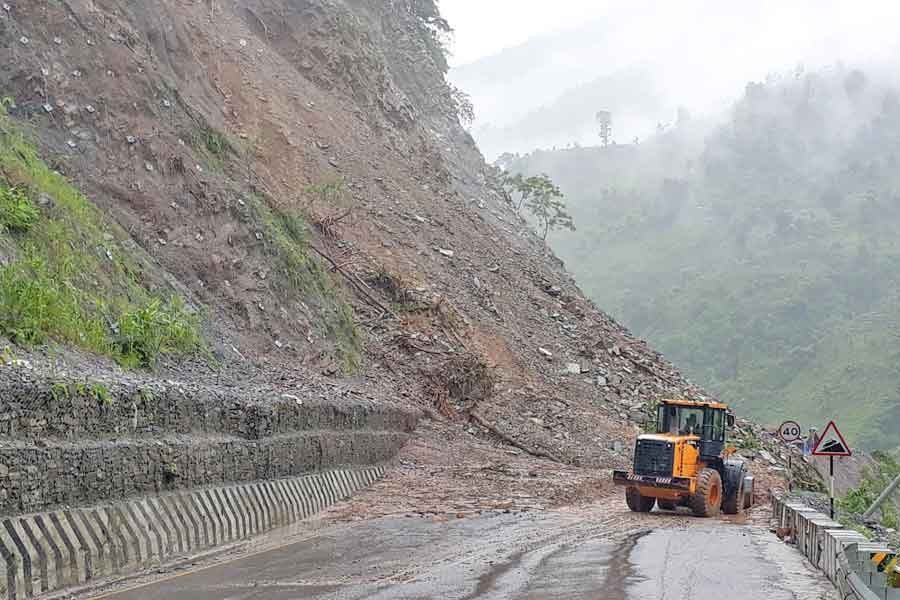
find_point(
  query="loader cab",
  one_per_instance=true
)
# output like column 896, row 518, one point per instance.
column 706, row 420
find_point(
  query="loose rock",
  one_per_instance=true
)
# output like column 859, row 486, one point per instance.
column 553, row 290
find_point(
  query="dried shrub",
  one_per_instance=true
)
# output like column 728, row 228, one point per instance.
column 327, row 224
column 393, row 286
column 461, row 381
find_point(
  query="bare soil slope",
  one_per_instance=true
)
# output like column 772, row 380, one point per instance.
column 297, row 171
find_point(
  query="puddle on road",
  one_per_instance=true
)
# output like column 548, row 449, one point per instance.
column 621, row 572
column 490, row 579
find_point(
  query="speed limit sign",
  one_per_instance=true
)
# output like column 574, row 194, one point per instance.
column 790, row 431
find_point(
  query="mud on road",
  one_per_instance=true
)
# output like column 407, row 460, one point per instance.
column 597, row 551
column 458, row 518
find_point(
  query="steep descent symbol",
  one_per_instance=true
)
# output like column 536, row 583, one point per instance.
column 832, row 443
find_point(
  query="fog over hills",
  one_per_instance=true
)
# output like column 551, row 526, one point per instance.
column 643, row 61
column 760, row 252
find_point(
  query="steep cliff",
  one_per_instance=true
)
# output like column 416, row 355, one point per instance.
column 288, row 183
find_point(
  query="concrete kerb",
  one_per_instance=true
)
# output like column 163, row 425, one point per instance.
column 51, row 551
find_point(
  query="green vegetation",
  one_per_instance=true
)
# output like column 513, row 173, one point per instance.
column 760, row 255
column 152, row 329
column 542, row 198
column 17, row 213
column 749, row 441
column 68, row 281
column 464, row 107
column 7, row 356
column 101, row 393
column 286, row 239
column 146, row 397
column 874, row 481
column 170, row 472
column 856, row 526
column 60, row 391
column 95, row 391
column 212, row 145
column 330, row 193
column 37, row 304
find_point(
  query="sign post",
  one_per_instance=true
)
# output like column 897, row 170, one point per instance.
column 790, row 432
column 832, row 444
column 831, row 493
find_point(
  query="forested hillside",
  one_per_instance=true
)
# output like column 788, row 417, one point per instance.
column 761, row 254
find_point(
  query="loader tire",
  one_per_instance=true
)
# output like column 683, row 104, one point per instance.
column 638, row 503
column 666, row 504
column 707, row 501
column 734, row 504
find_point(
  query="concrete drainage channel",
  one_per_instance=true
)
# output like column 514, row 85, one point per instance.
column 853, row 563
column 64, row 548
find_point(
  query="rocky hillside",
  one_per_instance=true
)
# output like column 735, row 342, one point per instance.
column 226, row 190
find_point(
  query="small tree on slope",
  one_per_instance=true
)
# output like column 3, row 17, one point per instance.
column 549, row 209
column 542, row 198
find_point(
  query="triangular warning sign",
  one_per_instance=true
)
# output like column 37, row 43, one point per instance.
column 832, row 443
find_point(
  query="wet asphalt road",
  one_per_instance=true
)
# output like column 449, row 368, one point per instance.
column 522, row 557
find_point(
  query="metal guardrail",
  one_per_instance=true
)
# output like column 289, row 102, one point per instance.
column 855, row 565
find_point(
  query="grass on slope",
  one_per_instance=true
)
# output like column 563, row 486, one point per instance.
column 286, row 240
column 65, row 278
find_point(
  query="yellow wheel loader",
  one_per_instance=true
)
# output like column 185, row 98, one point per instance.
column 686, row 463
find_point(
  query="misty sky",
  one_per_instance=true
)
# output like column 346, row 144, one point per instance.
column 697, row 54
column 477, row 33
column 801, row 27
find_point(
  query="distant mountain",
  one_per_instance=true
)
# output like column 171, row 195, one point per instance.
column 638, row 61
column 515, row 81
column 761, row 255
column 630, row 95
column 547, row 91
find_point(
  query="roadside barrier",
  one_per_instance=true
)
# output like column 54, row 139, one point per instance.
column 54, row 550
column 858, row 567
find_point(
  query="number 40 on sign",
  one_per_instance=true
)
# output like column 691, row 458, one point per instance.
column 790, row 431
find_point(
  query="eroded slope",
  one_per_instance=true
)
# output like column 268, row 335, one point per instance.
column 298, row 170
